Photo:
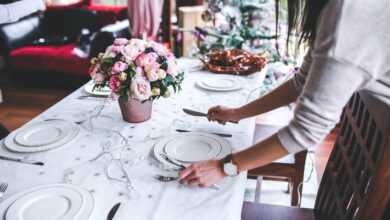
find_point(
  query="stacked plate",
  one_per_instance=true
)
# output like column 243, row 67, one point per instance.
column 89, row 88
column 220, row 85
column 55, row 202
column 187, row 148
column 41, row 136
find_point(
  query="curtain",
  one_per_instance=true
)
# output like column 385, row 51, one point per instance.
column 145, row 17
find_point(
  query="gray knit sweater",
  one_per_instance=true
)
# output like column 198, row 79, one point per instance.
column 351, row 53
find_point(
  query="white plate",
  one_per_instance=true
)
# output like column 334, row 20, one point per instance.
column 192, row 148
column 220, row 85
column 105, row 91
column 11, row 145
column 57, row 201
column 43, row 133
column 226, row 148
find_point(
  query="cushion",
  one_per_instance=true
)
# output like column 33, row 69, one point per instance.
column 49, row 58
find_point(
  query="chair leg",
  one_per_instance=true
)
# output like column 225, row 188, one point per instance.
column 296, row 193
column 259, row 181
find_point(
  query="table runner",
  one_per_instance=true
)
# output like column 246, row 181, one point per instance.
column 154, row 200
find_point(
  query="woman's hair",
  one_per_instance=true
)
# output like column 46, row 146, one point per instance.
column 303, row 16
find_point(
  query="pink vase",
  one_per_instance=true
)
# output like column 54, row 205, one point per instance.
column 135, row 111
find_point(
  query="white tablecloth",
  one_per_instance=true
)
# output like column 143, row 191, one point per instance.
column 155, row 200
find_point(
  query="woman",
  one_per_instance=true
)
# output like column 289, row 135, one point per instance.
column 350, row 51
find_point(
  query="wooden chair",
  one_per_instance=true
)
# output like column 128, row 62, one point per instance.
column 288, row 169
column 357, row 175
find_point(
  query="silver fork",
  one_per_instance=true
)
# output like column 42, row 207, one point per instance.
column 171, row 179
column 3, row 188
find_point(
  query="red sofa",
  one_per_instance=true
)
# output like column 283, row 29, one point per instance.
column 23, row 58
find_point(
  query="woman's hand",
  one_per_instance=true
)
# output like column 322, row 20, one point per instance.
column 203, row 174
column 223, row 114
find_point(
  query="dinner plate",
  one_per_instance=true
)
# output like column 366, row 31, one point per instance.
column 105, row 91
column 220, row 85
column 43, row 133
column 57, row 201
column 159, row 147
column 11, row 145
column 192, row 148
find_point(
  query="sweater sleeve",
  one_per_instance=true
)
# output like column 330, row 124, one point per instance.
column 299, row 78
column 328, row 88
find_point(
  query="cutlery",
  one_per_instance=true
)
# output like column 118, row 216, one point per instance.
column 172, row 178
column 32, row 162
column 218, row 134
column 200, row 114
column 3, row 188
column 91, row 96
column 113, row 211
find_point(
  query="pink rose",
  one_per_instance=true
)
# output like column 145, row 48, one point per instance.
column 146, row 59
column 139, row 71
column 131, row 53
column 137, row 43
column 119, row 67
column 120, row 41
column 114, row 83
column 140, row 89
column 152, row 71
column 159, row 48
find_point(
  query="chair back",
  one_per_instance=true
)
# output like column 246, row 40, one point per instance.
column 356, row 180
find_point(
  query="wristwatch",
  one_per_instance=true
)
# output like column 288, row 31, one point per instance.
column 228, row 166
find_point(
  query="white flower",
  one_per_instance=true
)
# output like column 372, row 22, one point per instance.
column 140, row 89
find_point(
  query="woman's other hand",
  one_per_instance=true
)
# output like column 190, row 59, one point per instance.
column 203, row 174
column 223, row 114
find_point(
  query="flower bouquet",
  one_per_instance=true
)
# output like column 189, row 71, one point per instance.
column 137, row 72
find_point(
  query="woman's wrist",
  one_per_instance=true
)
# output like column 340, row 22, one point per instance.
column 236, row 114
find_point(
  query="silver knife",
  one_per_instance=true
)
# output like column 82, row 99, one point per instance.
column 200, row 114
column 218, row 134
column 38, row 163
column 113, row 211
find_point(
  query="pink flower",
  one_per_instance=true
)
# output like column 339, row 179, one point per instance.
column 119, row 67
column 137, row 43
column 146, row 59
column 159, row 48
column 120, row 41
column 140, row 89
column 131, row 53
column 152, row 71
column 139, row 71
column 114, row 83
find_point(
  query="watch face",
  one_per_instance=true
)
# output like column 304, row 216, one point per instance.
column 230, row 169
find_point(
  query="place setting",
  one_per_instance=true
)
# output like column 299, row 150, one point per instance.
column 38, row 137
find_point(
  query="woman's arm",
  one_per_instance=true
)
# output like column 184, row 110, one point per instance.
column 282, row 95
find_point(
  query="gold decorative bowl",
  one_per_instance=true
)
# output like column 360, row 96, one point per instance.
column 236, row 61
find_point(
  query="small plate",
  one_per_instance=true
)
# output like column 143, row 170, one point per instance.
column 192, row 148
column 220, row 85
column 56, row 201
column 42, row 133
column 105, row 91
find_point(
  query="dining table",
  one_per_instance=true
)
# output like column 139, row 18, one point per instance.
column 113, row 159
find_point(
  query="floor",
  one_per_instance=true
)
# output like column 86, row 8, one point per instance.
column 20, row 104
